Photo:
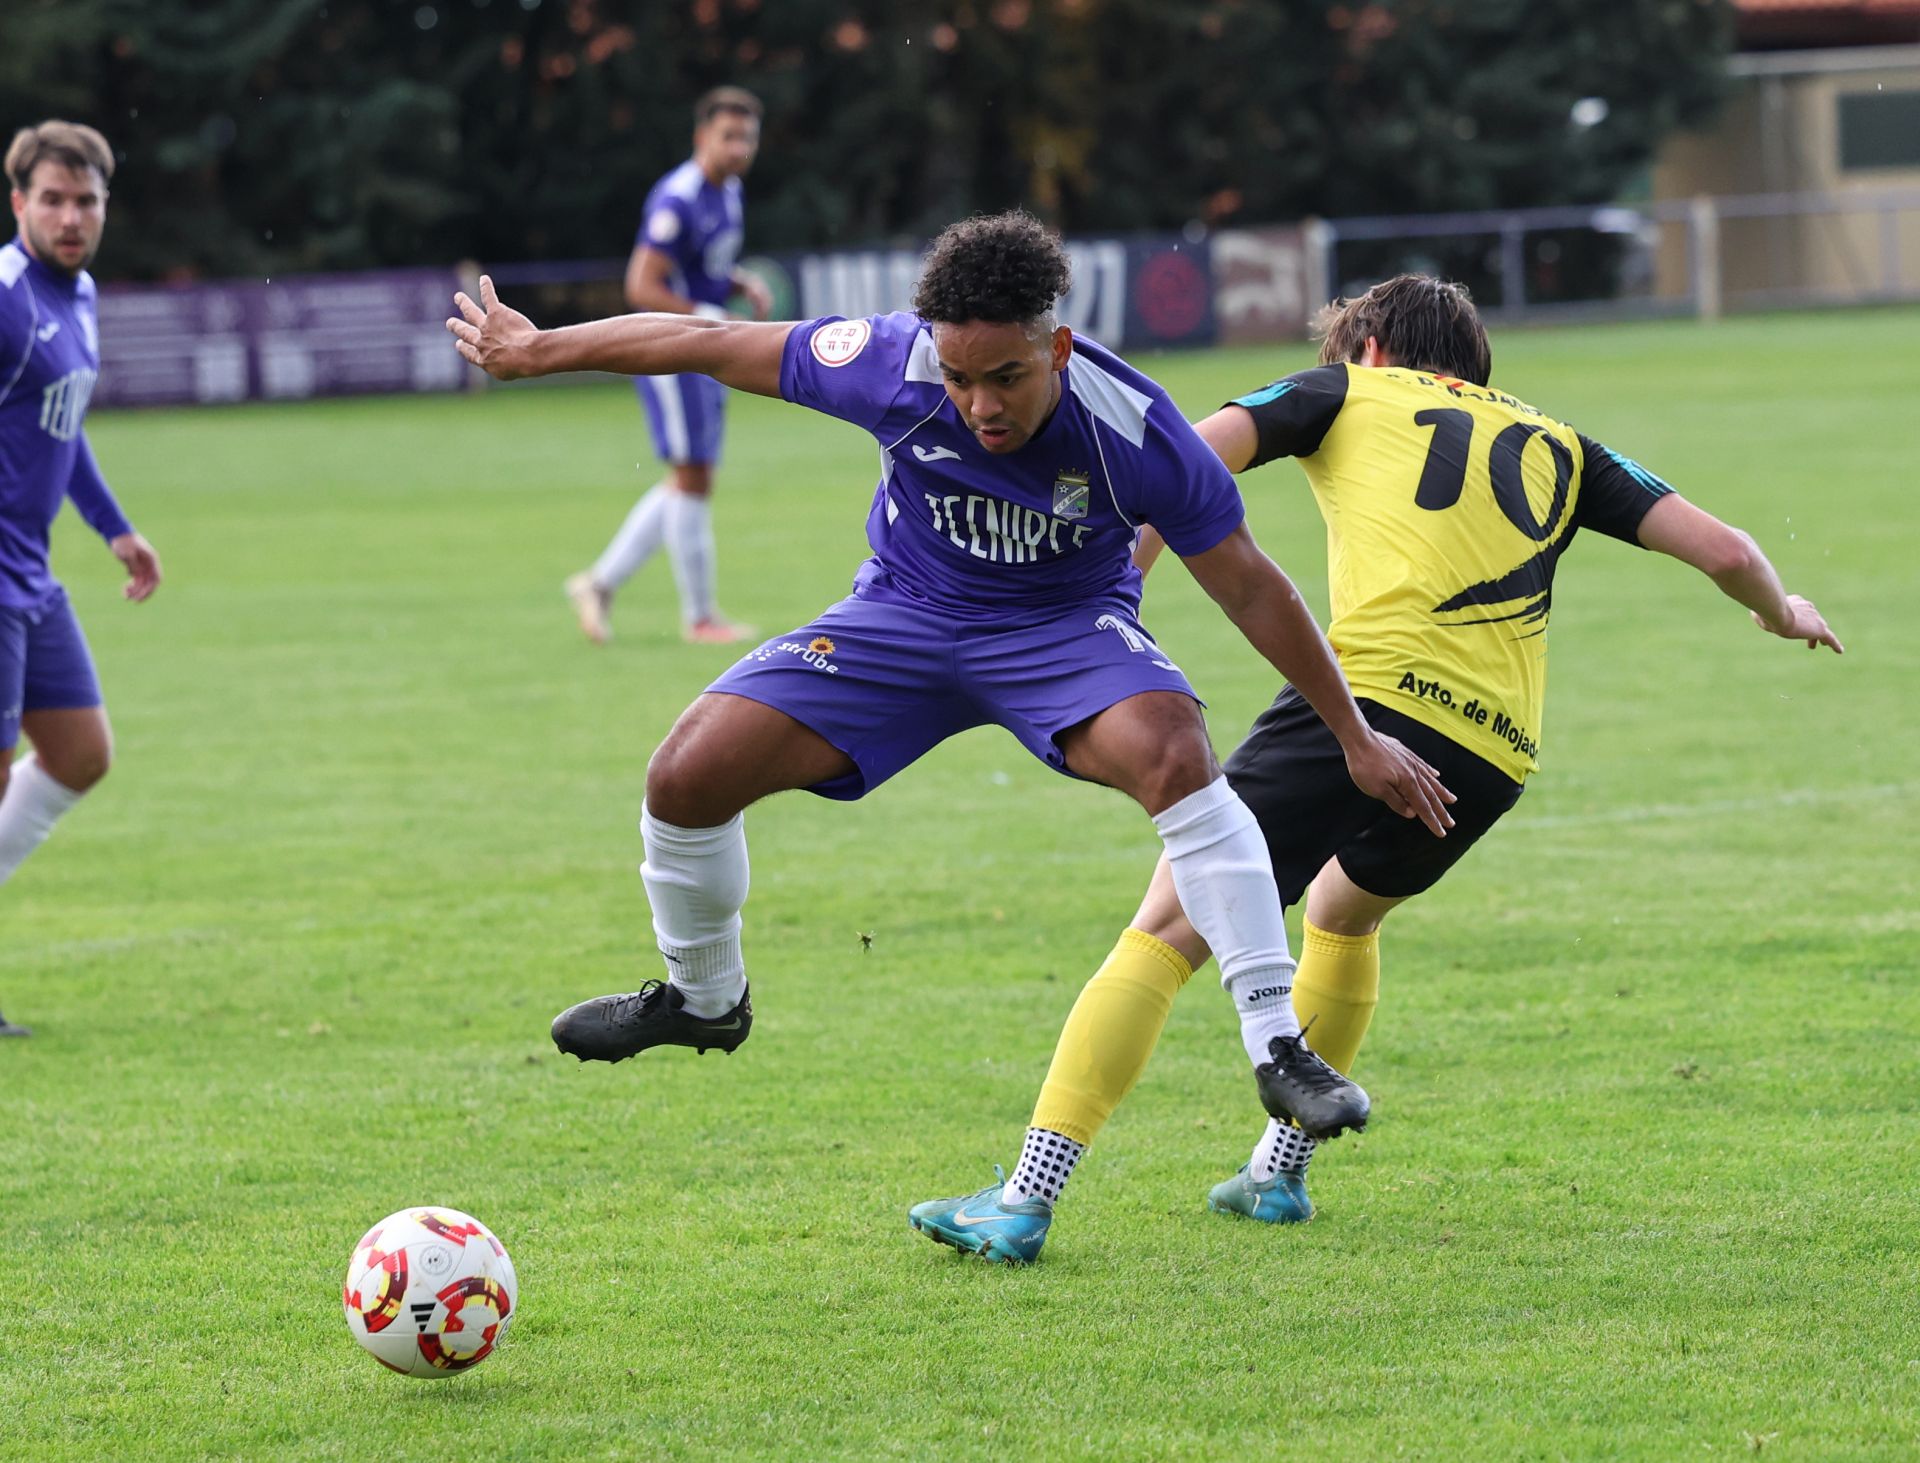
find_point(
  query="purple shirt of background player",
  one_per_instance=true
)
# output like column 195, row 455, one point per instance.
column 49, row 360
column 697, row 224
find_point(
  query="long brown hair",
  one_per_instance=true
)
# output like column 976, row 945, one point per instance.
column 1426, row 323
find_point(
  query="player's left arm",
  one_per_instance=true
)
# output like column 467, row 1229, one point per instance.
column 1738, row 567
column 94, row 501
column 1621, row 498
column 1256, row 594
column 743, row 354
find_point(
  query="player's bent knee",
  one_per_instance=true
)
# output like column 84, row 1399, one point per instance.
column 1177, row 769
column 687, row 787
column 672, row 783
column 78, row 769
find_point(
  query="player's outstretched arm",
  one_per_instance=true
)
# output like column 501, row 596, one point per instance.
column 1734, row 562
column 1259, row 598
column 743, row 354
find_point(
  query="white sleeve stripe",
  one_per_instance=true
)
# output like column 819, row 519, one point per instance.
column 1110, row 399
column 33, row 339
column 684, row 181
column 923, row 361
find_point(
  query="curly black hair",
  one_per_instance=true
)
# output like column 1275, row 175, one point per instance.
column 1003, row 268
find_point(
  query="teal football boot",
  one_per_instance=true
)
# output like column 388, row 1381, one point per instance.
column 980, row 1224
column 1282, row 1199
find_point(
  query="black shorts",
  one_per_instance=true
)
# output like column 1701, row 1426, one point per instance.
column 1291, row 772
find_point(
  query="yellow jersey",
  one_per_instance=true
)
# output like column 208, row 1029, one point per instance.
column 1447, row 507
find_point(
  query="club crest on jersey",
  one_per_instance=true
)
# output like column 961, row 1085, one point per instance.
column 1071, row 493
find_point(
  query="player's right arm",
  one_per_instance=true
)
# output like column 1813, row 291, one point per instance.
column 743, row 354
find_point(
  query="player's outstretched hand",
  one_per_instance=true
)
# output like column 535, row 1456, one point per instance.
column 1384, row 768
column 497, row 339
column 1803, row 622
column 143, row 565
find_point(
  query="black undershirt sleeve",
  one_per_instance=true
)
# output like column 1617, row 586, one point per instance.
column 1294, row 414
column 1615, row 493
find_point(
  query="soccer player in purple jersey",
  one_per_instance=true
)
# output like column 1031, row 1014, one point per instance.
column 49, row 358
column 683, row 264
column 1017, row 467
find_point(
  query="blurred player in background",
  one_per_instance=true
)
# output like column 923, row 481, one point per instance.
column 1448, row 505
column 683, row 264
column 1016, row 465
column 49, row 359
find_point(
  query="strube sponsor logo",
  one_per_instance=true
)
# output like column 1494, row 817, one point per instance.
column 813, row 653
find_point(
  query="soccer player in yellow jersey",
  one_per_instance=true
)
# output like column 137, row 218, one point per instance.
column 1448, row 504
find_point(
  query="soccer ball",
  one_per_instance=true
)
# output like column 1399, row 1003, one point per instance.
column 430, row 1292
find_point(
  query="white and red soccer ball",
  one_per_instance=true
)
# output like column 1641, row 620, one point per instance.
column 430, row 1292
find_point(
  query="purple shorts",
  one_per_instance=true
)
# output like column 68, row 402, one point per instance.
column 685, row 414
column 44, row 664
column 887, row 682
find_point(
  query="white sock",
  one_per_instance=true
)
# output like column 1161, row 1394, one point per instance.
column 696, row 881
column 690, row 548
column 1264, row 999
column 32, row 805
column 1224, row 877
column 637, row 541
column 1281, row 1146
column 1046, row 1163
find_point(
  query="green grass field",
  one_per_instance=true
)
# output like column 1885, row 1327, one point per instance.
column 1642, row 1180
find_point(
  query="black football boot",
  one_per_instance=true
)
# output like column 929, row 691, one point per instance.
column 1296, row 1086
column 613, row 1028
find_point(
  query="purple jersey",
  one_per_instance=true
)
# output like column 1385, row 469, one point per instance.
column 980, row 535
column 699, row 227
column 49, row 359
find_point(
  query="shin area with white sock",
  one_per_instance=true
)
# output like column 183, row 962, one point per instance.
column 689, row 528
column 1224, row 876
column 33, row 803
column 638, row 539
column 697, row 880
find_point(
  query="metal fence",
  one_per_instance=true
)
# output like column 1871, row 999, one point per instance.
column 1701, row 256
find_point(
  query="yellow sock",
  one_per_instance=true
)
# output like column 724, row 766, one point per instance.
column 1109, row 1035
column 1336, row 989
